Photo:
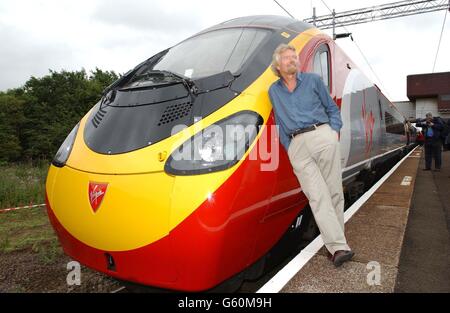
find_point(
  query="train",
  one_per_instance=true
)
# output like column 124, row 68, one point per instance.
column 125, row 201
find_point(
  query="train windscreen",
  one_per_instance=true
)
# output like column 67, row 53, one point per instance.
column 213, row 52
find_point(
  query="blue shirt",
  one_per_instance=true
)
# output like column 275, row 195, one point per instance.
column 309, row 103
column 433, row 132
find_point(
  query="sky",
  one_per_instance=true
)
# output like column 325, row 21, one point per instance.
column 41, row 35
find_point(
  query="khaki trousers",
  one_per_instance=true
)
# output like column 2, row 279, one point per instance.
column 316, row 159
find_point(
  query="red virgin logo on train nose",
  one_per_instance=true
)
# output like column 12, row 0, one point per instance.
column 96, row 193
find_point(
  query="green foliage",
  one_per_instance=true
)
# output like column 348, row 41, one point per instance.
column 22, row 184
column 29, row 229
column 35, row 119
column 11, row 120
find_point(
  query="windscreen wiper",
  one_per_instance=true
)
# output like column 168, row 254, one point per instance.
column 169, row 78
column 204, row 84
column 188, row 83
column 109, row 92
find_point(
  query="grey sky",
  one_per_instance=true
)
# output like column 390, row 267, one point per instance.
column 38, row 35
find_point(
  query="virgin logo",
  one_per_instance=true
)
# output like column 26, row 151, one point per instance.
column 369, row 123
column 96, row 193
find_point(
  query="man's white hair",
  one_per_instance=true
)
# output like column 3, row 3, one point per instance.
column 276, row 57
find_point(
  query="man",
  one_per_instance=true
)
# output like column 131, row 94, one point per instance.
column 309, row 123
column 447, row 139
column 432, row 128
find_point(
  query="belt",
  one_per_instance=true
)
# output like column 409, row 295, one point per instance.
column 305, row 130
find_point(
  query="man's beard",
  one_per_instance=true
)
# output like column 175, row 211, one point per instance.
column 292, row 69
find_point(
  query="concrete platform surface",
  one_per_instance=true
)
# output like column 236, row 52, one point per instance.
column 425, row 258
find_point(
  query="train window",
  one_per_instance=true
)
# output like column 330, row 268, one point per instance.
column 213, row 52
column 321, row 64
column 393, row 125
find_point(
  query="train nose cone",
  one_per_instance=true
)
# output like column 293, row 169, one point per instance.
column 111, row 212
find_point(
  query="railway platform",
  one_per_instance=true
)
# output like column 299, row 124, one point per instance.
column 399, row 232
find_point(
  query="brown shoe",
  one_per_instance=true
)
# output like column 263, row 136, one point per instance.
column 329, row 255
column 342, row 256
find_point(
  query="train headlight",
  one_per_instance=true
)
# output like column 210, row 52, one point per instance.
column 212, row 149
column 64, row 151
column 217, row 147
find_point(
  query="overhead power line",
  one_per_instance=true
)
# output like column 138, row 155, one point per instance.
column 375, row 13
column 283, row 8
column 362, row 54
column 439, row 44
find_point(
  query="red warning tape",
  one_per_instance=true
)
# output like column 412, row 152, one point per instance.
column 21, row 207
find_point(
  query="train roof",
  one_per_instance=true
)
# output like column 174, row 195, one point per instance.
column 264, row 21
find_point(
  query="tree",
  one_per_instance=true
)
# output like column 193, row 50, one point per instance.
column 35, row 119
column 11, row 121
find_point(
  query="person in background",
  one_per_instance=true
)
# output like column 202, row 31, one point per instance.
column 432, row 128
column 447, row 137
column 420, row 139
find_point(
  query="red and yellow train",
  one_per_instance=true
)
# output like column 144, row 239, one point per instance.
column 124, row 203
